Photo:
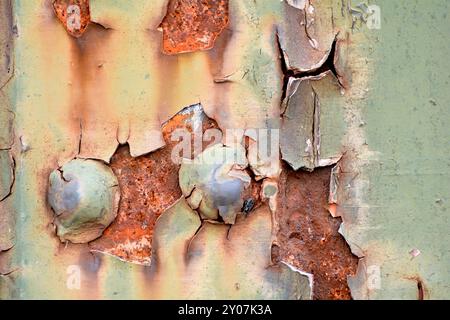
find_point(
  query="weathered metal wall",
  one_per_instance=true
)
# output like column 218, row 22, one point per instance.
column 366, row 99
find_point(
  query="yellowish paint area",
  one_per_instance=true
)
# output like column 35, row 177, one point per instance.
column 82, row 97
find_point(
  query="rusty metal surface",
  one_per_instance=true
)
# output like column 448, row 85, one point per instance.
column 193, row 25
column 74, row 15
column 308, row 237
column 149, row 186
column 103, row 83
column 104, row 101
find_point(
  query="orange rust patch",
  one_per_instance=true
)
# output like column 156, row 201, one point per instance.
column 308, row 235
column 74, row 14
column 332, row 209
column 193, row 25
column 148, row 186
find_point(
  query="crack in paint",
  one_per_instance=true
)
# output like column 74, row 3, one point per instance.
column 11, row 186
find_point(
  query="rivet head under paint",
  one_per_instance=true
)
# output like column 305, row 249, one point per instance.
column 84, row 196
column 214, row 181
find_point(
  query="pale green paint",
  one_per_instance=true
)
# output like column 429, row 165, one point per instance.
column 406, row 112
column 84, row 196
column 209, row 180
column 6, row 173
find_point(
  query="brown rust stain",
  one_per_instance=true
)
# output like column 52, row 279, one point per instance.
column 193, row 25
column 74, row 15
column 216, row 56
column 148, row 185
column 85, row 76
column 308, row 237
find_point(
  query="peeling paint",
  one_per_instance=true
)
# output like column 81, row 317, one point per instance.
column 301, row 32
column 89, row 89
column 149, row 186
column 302, row 132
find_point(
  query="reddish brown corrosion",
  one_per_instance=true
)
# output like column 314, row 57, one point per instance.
column 192, row 25
column 74, row 14
column 308, row 235
column 148, row 186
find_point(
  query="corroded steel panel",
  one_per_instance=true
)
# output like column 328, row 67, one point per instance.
column 223, row 149
column 193, row 25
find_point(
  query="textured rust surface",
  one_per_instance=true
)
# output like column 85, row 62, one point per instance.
column 192, row 25
column 148, row 185
column 308, row 237
column 74, row 14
